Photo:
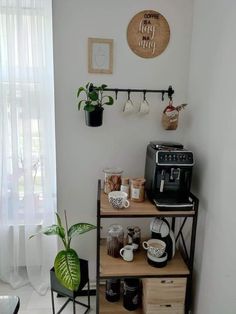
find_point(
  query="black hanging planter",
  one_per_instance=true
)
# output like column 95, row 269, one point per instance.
column 94, row 118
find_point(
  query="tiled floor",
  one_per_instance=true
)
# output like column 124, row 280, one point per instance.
column 32, row 303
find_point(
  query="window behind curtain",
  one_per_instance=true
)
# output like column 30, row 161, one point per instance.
column 27, row 163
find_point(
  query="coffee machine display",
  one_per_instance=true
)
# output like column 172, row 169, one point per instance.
column 168, row 174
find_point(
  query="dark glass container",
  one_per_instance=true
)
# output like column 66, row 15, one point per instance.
column 113, row 290
column 131, row 294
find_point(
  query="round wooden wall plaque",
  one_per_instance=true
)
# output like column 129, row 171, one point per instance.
column 148, row 34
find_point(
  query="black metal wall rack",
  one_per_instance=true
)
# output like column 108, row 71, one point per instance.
column 170, row 91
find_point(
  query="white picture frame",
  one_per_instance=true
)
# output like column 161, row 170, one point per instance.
column 100, row 55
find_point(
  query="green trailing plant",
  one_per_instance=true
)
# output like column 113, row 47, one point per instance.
column 66, row 263
column 94, row 97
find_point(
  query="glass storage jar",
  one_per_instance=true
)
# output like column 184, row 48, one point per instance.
column 115, row 240
column 112, row 181
column 134, row 237
column 137, row 190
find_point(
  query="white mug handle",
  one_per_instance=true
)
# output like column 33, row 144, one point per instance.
column 126, row 204
column 122, row 252
column 145, row 245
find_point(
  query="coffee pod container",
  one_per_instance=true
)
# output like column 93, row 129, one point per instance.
column 131, row 294
column 113, row 290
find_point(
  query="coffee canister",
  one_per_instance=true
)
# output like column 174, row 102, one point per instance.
column 115, row 240
column 131, row 294
column 137, row 190
column 113, row 290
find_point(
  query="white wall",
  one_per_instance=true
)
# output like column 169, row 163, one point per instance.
column 211, row 135
column 83, row 152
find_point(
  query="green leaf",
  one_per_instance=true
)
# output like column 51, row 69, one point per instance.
column 90, row 87
column 93, row 95
column 88, row 84
column 67, row 269
column 110, row 101
column 80, row 90
column 79, row 104
column 58, row 220
column 89, row 107
column 103, row 86
column 80, row 228
column 51, row 230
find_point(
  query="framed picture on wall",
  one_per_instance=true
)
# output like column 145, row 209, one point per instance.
column 100, row 55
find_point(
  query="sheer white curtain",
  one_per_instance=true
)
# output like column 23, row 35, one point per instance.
column 27, row 142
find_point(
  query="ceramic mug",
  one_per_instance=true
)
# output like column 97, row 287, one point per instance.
column 128, row 106
column 118, row 199
column 155, row 247
column 127, row 253
column 144, row 107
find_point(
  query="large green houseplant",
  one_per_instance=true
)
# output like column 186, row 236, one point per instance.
column 93, row 101
column 67, row 263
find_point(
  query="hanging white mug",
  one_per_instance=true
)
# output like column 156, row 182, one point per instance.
column 144, row 107
column 128, row 106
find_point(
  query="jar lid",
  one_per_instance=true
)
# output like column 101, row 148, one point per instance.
column 138, row 181
column 113, row 170
column 125, row 181
column 115, row 228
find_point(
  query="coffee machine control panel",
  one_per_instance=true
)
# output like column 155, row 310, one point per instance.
column 175, row 158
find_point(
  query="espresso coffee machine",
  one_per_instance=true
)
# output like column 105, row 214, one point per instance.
column 168, row 174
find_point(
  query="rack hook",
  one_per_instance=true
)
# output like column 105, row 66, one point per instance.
column 170, row 92
column 116, row 92
column 128, row 94
column 144, row 94
column 162, row 95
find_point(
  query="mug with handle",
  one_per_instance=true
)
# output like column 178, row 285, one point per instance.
column 127, row 253
column 118, row 199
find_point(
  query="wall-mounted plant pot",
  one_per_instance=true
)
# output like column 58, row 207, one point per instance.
column 94, row 118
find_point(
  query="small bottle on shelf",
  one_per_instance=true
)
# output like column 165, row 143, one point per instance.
column 125, row 186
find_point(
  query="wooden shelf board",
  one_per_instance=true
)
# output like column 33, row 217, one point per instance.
column 144, row 209
column 117, row 267
column 106, row 307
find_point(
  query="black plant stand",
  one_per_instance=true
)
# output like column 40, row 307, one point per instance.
column 71, row 295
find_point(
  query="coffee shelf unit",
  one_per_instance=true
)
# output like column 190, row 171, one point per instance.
column 181, row 266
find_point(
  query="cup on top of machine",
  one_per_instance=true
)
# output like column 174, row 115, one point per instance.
column 155, row 247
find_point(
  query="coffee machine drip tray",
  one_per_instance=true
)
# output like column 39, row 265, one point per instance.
column 166, row 203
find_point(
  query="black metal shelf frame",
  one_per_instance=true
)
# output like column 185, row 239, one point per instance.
column 187, row 253
column 170, row 91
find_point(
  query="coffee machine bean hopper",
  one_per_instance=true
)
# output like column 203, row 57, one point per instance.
column 168, row 174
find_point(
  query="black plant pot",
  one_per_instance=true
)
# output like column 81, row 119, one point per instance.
column 61, row 290
column 94, row 118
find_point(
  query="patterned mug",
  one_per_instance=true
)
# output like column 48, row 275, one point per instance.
column 118, row 199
